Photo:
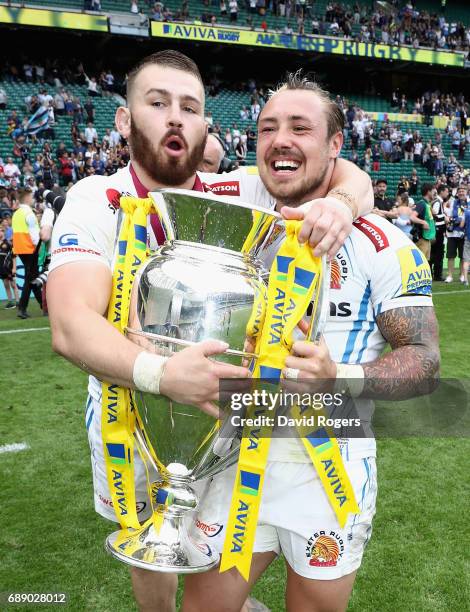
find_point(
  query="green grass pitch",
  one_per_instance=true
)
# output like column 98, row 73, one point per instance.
column 52, row 540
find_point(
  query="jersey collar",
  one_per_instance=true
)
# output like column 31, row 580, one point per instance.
column 142, row 192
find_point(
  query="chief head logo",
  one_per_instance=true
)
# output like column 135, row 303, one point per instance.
column 335, row 281
column 114, row 198
column 324, row 552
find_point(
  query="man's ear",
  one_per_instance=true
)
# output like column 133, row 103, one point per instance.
column 336, row 143
column 123, row 121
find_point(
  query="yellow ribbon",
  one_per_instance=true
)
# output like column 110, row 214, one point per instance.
column 118, row 413
column 294, row 276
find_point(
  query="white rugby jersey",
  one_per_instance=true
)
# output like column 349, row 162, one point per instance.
column 87, row 226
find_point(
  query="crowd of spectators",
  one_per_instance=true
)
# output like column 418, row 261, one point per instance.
column 59, row 75
column 393, row 23
column 55, row 163
column 372, row 144
column 436, row 216
column 405, row 25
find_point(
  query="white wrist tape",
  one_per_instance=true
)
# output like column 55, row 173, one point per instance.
column 148, row 372
column 350, row 376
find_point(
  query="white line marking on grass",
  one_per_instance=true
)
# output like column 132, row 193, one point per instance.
column 26, row 329
column 448, row 292
column 13, row 448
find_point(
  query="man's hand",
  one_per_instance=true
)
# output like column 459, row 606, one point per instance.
column 311, row 360
column 327, row 222
column 190, row 377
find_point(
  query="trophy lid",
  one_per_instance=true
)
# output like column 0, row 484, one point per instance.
column 216, row 221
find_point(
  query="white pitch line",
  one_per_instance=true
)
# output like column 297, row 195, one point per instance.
column 26, row 329
column 32, row 329
column 448, row 292
column 13, row 448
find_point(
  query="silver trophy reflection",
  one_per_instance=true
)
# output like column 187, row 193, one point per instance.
column 198, row 286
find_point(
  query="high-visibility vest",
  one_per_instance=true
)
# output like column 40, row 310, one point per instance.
column 22, row 243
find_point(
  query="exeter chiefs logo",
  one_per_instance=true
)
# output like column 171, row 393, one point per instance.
column 324, row 550
column 114, row 199
column 339, row 271
column 335, row 282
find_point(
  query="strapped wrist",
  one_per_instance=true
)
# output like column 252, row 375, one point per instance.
column 148, row 372
column 349, row 378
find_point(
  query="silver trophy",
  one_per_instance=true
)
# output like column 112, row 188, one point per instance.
column 198, row 286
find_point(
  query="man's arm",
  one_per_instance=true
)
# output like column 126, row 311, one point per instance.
column 351, row 179
column 327, row 222
column 409, row 370
column 45, row 233
column 33, row 228
column 412, row 366
column 78, row 296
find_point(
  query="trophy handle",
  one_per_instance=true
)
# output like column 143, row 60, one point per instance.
column 320, row 316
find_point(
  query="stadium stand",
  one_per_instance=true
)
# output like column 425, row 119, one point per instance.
column 224, row 108
column 390, row 22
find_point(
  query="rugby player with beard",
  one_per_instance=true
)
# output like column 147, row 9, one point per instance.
column 164, row 124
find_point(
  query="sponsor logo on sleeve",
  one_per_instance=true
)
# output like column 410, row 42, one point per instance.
column 324, row 550
column 68, row 240
column 416, row 276
column 74, row 250
column 374, row 233
column 226, row 188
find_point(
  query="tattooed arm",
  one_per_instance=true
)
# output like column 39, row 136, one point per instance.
column 412, row 366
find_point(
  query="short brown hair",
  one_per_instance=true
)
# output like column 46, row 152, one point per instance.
column 23, row 192
column 296, row 80
column 169, row 59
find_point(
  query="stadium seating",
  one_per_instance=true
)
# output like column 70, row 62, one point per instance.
column 455, row 11
column 17, row 92
column 225, row 109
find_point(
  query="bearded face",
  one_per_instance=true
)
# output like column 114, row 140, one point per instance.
column 172, row 160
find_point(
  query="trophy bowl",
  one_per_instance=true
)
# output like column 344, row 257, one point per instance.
column 203, row 283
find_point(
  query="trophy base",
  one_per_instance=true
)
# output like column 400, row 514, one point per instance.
column 171, row 550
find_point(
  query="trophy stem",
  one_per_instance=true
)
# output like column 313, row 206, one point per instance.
column 163, row 543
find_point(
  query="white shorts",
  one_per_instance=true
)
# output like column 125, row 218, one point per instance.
column 103, row 503
column 296, row 518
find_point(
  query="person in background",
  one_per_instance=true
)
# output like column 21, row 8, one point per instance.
column 465, row 225
column 406, row 215
column 454, row 211
column 383, row 205
column 423, row 208
column 25, row 245
column 8, row 270
column 214, row 153
column 437, row 247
